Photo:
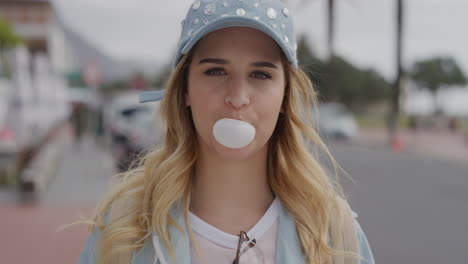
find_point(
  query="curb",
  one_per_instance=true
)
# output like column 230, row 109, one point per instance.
column 35, row 178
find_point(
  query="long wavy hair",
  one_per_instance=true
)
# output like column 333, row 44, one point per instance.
column 145, row 195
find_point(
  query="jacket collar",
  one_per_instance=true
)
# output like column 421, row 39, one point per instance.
column 288, row 248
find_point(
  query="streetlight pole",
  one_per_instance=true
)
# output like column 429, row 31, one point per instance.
column 331, row 29
column 395, row 141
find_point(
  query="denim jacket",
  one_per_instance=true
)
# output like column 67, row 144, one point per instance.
column 288, row 248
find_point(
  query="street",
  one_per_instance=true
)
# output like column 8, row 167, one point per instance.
column 412, row 208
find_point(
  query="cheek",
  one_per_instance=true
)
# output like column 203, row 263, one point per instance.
column 269, row 110
column 202, row 97
column 203, row 106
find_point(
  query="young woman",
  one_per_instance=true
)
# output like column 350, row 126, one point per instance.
column 234, row 180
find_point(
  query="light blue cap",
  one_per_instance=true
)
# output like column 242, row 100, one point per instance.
column 272, row 17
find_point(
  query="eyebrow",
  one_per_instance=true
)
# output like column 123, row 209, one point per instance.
column 264, row 64
column 214, row 60
column 261, row 64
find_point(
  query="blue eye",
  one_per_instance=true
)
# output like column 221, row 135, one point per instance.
column 215, row 71
column 260, row 75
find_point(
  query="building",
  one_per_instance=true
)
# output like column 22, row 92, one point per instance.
column 30, row 20
column 36, row 23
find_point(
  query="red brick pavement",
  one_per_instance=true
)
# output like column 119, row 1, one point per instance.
column 28, row 234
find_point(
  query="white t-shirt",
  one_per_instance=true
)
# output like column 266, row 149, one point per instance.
column 218, row 247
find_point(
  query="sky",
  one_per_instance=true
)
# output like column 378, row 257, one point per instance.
column 148, row 30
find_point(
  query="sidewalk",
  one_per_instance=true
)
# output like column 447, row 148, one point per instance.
column 29, row 230
column 435, row 143
column 29, row 234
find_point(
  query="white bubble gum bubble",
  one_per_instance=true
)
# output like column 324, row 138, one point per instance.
column 233, row 133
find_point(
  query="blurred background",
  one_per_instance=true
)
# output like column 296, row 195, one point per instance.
column 391, row 75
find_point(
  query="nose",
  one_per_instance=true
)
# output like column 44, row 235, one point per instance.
column 238, row 95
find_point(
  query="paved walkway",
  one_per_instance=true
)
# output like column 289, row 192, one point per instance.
column 83, row 175
column 29, row 227
column 29, row 234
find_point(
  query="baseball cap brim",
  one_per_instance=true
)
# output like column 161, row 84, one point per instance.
column 151, row 96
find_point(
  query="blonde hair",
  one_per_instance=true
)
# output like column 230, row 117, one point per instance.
column 145, row 195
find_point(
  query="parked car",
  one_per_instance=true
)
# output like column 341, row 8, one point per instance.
column 134, row 128
column 336, row 122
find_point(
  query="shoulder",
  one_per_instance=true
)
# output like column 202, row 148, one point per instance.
column 364, row 247
column 88, row 255
column 348, row 232
column 121, row 206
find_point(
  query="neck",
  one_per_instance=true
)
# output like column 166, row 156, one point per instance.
column 231, row 195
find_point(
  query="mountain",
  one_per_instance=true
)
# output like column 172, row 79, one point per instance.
column 111, row 68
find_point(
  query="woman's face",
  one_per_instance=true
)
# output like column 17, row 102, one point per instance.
column 236, row 73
